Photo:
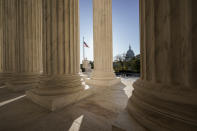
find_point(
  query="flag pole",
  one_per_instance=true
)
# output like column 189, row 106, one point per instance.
column 83, row 50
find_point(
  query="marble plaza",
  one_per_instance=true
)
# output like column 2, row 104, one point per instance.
column 42, row 89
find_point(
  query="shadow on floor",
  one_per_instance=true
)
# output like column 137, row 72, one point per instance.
column 6, row 94
column 104, row 111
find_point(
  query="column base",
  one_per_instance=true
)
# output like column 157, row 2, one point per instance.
column 99, row 78
column 163, row 107
column 4, row 77
column 56, row 92
column 22, row 81
column 2, row 80
column 56, row 102
column 97, row 82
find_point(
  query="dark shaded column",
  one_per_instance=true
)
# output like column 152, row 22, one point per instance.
column 22, row 33
column 1, row 43
column 165, row 97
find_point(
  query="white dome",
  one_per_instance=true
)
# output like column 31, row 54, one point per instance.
column 130, row 54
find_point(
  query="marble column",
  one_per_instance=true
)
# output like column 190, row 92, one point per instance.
column 3, row 74
column 60, row 84
column 1, row 43
column 103, row 74
column 165, row 96
column 22, row 32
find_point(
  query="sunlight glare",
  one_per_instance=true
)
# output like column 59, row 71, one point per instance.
column 76, row 124
column 11, row 100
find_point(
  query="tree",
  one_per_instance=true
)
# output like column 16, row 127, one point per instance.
column 120, row 60
column 92, row 64
column 135, row 64
column 121, row 65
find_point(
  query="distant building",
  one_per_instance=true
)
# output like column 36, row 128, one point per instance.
column 86, row 65
column 130, row 54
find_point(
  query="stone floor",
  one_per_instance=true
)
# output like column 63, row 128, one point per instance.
column 104, row 111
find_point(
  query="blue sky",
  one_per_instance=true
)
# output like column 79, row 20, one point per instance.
column 125, row 18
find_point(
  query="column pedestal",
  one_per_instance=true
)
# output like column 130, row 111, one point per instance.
column 22, row 81
column 4, row 77
column 163, row 107
column 58, row 91
column 2, row 80
column 99, row 78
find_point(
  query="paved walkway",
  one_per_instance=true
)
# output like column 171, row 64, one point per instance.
column 102, row 112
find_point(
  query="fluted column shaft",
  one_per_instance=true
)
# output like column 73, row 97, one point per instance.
column 165, row 95
column 22, row 33
column 1, row 42
column 60, row 83
column 60, row 44
column 103, row 44
column 60, row 37
column 102, row 17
